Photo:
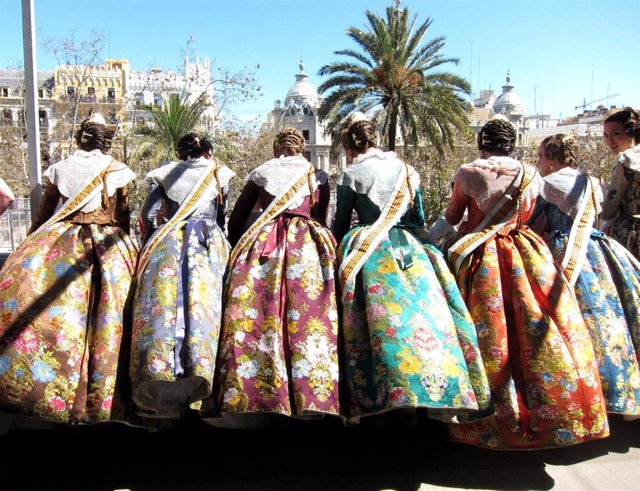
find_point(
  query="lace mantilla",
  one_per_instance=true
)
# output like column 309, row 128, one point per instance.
column 565, row 189
column 375, row 174
column 72, row 174
column 276, row 175
column 630, row 158
column 179, row 178
column 487, row 180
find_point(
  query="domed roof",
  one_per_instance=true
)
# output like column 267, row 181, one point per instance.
column 302, row 91
column 508, row 102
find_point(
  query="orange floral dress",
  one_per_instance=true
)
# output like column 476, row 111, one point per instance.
column 534, row 343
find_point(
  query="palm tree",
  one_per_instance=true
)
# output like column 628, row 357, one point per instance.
column 395, row 78
column 171, row 120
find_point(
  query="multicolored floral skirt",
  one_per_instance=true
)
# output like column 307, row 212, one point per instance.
column 62, row 300
column 409, row 341
column 536, row 348
column 608, row 292
column 177, row 312
column 278, row 349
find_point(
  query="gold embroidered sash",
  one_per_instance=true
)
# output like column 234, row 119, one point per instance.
column 508, row 205
column 187, row 207
column 369, row 238
column 576, row 249
column 277, row 206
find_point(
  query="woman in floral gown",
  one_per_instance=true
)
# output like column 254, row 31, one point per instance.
column 63, row 291
column 605, row 275
column 278, row 350
column 409, row 341
column 621, row 207
column 535, row 346
column 177, row 308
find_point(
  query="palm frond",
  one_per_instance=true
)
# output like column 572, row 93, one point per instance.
column 394, row 75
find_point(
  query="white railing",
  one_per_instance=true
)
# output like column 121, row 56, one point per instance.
column 14, row 224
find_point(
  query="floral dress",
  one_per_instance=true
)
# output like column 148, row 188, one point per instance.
column 409, row 341
column 621, row 206
column 607, row 288
column 279, row 343
column 535, row 346
column 63, row 294
column 177, row 308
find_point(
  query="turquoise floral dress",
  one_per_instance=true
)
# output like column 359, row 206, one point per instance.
column 409, row 341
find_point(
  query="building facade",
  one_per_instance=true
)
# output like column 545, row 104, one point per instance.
column 12, row 98
column 300, row 111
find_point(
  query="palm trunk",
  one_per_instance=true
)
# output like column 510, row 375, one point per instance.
column 393, row 124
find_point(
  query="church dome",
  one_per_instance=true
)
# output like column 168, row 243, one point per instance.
column 302, row 97
column 508, row 102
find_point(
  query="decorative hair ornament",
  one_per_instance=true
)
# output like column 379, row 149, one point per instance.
column 354, row 118
column 98, row 119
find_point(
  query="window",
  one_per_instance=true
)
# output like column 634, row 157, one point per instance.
column 307, row 155
column 7, row 116
column 42, row 116
column 157, row 99
column 4, row 91
column 111, row 94
column 305, row 133
column 91, row 94
column 306, row 110
column 71, row 92
column 41, row 93
column 139, row 97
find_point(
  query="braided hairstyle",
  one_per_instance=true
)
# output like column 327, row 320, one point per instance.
column 562, row 148
column 193, row 145
column 288, row 142
column 497, row 136
column 630, row 121
column 92, row 135
column 358, row 133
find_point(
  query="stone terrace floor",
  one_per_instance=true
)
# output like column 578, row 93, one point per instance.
column 320, row 455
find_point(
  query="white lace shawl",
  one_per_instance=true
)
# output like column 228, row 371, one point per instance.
column 179, row 178
column 72, row 174
column 487, row 180
column 630, row 158
column 565, row 188
column 374, row 174
column 276, row 176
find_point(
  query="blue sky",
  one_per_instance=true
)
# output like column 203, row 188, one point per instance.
column 559, row 52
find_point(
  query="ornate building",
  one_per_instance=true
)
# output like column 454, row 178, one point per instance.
column 150, row 86
column 82, row 89
column 300, row 111
column 73, row 92
column 508, row 104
